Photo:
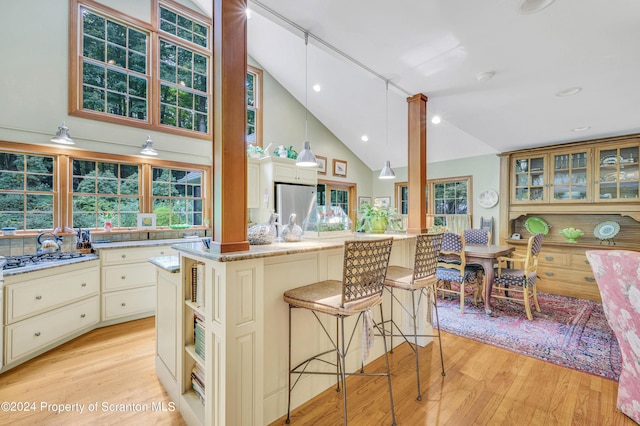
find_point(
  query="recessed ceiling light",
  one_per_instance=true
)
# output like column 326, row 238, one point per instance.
column 580, row 129
column 364, row 138
column 484, row 76
column 317, row 88
column 570, row 91
column 533, row 6
column 248, row 12
column 436, row 119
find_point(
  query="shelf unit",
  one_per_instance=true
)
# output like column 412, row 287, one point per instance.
column 576, row 185
column 192, row 407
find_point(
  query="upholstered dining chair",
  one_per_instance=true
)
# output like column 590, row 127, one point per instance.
column 452, row 267
column 617, row 274
column 364, row 269
column 481, row 237
column 517, row 275
column 418, row 281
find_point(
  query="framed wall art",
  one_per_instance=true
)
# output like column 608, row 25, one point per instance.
column 322, row 164
column 339, row 168
column 146, row 221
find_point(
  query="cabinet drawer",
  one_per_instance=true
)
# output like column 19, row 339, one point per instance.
column 128, row 276
column 552, row 258
column 128, row 302
column 567, row 275
column 32, row 334
column 579, row 261
column 33, row 297
column 132, row 255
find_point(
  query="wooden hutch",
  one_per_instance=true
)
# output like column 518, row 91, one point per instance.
column 580, row 185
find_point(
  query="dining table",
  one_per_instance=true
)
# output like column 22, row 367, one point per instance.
column 487, row 256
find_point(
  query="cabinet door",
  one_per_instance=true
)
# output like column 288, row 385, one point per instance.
column 307, row 175
column 284, row 172
column 570, row 176
column 253, row 186
column 617, row 174
column 529, row 184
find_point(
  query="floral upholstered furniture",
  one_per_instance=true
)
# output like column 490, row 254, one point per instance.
column 452, row 267
column 617, row 273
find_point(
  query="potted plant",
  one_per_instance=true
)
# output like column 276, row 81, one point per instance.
column 373, row 219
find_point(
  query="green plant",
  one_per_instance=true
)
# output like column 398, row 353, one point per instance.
column 370, row 214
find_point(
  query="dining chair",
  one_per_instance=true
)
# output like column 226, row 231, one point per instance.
column 452, row 267
column 481, row 237
column 420, row 281
column 517, row 274
column 618, row 279
column 364, row 268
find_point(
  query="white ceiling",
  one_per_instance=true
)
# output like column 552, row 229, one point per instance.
column 437, row 47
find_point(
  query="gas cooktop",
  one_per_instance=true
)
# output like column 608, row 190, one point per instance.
column 38, row 258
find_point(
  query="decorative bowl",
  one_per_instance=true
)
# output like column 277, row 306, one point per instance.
column 572, row 234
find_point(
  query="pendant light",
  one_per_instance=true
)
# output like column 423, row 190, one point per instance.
column 387, row 172
column 147, row 147
column 305, row 157
column 62, row 136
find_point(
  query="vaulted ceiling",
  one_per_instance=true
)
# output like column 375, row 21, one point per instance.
column 439, row 48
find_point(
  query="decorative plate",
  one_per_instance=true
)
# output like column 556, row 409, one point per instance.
column 488, row 198
column 180, row 226
column 610, row 159
column 606, row 230
column 535, row 225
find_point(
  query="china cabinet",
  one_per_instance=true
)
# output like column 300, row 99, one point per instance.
column 581, row 185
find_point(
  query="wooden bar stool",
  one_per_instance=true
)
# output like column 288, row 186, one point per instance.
column 364, row 268
column 421, row 279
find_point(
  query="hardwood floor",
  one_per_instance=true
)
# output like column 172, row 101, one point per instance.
column 484, row 385
column 110, row 365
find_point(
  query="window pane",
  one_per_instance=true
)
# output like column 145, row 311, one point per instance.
column 116, row 33
column 137, row 62
column 12, row 181
column 93, row 49
column 116, row 56
column 40, row 203
column 93, row 24
column 185, row 119
column 11, row 202
column 93, row 74
column 93, row 99
column 116, row 104
column 116, row 81
column 12, row 162
column 168, row 115
column 40, row 183
column 137, row 41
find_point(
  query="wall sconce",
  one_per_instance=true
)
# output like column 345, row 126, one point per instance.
column 62, row 136
column 147, row 147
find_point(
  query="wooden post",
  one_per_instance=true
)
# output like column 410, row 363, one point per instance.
column 229, row 126
column 417, row 166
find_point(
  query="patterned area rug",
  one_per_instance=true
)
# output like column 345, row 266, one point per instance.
column 569, row 332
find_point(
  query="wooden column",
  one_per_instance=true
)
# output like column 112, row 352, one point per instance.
column 229, row 126
column 417, row 166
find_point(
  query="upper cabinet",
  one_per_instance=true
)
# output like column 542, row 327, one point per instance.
column 582, row 173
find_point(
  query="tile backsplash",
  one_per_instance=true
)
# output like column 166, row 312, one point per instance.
column 16, row 245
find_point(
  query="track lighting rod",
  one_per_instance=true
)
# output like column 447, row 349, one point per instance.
column 308, row 34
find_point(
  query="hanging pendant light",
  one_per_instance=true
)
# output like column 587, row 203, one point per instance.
column 62, row 136
column 305, row 157
column 387, row 172
column 147, row 147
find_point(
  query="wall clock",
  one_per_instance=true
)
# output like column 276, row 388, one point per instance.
column 488, row 198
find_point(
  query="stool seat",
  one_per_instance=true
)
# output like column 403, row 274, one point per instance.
column 326, row 297
column 402, row 278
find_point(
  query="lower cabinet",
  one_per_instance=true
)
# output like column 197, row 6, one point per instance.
column 28, row 336
column 167, row 320
column 125, row 303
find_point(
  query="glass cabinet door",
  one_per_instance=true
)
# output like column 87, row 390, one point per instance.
column 617, row 173
column 529, row 184
column 570, row 176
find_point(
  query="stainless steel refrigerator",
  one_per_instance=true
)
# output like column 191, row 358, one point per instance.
column 298, row 199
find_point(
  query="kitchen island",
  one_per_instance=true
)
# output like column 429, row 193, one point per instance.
column 242, row 360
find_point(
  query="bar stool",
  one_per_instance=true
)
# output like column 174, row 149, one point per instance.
column 364, row 268
column 422, row 279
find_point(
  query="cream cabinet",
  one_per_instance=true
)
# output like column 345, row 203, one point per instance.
column 46, row 308
column 253, row 183
column 285, row 170
column 129, row 282
column 168, row 311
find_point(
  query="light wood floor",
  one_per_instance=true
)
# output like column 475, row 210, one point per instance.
column 484, row 385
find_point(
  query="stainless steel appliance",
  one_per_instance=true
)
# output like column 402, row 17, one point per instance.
column 298, row 199
column 12, row 262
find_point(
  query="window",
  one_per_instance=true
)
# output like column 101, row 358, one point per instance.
column 254, row 108
column 27, row 191
column 150, row 75
column 115, row 77
column 177, row 196
column 104, row 187
column 444, row 197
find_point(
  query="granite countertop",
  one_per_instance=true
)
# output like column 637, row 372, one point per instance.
column 279, row 248
column 48, row 265
column 168, row 263
column 141, row 243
